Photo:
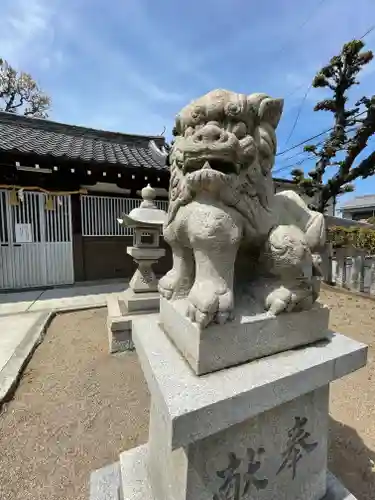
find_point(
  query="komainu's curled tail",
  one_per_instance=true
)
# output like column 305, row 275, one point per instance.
column 292, row 209
column 291, row 254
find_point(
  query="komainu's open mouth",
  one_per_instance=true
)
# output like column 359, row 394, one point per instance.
column 222, row 166
column 225, row 167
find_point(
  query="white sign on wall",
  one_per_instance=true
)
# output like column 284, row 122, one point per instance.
column 23, row 233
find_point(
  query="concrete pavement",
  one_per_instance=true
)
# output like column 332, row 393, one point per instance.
column 60, row 299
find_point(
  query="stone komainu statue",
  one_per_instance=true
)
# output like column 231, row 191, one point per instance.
column 222, row 195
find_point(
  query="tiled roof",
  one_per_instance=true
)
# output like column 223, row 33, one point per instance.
column 45, row 138
column 340, row 221
column 366, row 201
column 280, row 180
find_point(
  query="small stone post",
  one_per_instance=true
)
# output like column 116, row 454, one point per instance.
column 372, row 279
column 357, row 271
column 340, row 278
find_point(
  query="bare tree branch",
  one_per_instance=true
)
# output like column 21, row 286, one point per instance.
column 339, row 76
column 20, row 93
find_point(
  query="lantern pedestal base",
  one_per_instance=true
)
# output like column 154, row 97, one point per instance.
column 122, row 308
column 144, row 279
column 144, row 302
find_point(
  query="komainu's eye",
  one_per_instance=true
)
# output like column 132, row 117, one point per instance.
column 198, row 114
column 232, row 109
column 239, row 130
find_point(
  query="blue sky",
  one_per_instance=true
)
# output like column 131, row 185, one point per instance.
column 130, row 65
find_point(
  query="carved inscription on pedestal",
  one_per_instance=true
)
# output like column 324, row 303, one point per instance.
column 296, row 445
column 242, row 475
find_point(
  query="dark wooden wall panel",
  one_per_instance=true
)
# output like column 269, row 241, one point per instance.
column 106, row 258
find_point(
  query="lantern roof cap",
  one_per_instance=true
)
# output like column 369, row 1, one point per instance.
column 147, row 214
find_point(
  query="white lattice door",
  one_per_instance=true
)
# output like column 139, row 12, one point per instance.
column 36, row 241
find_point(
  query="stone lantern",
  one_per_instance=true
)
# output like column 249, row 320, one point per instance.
column 146, row 221
column 142, row 295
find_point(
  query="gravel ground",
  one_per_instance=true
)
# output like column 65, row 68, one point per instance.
column 77, row 408
column 352, row 450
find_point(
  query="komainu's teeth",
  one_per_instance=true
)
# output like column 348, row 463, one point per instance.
column 206, row 166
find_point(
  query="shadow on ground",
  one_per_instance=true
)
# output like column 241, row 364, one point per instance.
column 351, row 460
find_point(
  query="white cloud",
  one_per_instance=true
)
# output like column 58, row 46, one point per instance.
column 111, row 80
column 52, row 60
column 152, row 125
column 149, row 88
column 25, row 30
column 175, row 52
column 126, row 75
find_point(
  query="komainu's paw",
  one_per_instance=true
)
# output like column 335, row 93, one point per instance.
column 209, row 303
column 279, row 300
column 174, row 284
column 283, row 299
column 168, row 284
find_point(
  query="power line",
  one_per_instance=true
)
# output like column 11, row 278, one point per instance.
column 293, row 156
column 299, row 153
column 304, row 152
column 372, row 28
column 315, row 136
column 293, row 165
column 298, row 114
column 300, row 86
column 311, row 14
column 299, row 27
column 368, row 32
column 292, row 92
column 304, row 142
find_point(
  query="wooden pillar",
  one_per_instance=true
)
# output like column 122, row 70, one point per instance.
column 78, row 250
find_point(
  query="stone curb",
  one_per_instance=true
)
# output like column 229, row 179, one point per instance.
column 58, row 310
column 12, row 371
column 76, row 308
column 346, row 291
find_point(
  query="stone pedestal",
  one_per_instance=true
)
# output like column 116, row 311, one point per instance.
column 249, row 336
column 254, row 431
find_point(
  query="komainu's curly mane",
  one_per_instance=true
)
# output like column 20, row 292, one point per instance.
column 248, row 125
